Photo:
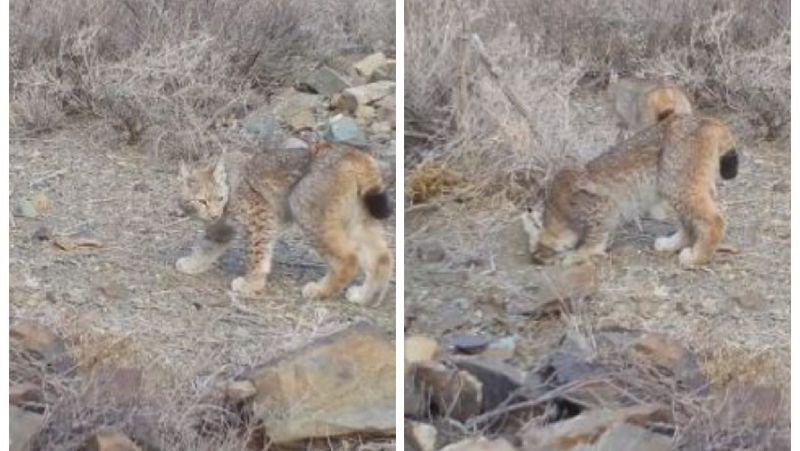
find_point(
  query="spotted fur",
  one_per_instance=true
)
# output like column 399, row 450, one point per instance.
column 325, row 189
column 672, row 164
column 642, row 103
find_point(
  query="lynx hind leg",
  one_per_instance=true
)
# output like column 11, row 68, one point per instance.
column 262, row 221
column 677, row 241
column 341, row 254
column 376, row 261
column 708, row 227
column 217, row 239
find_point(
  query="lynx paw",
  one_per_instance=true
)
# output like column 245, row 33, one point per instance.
column 311, row 290
column 670, row 243
column 357, row 294
column 574, row 259
column 247, row 288
column 192, row 265
column 688, row 259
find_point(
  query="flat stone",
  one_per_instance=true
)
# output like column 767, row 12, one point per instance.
column 326, row 81
column 25, row 209
column 421, row 436
column 297, row 109
column 367, row 66
column 107, row 439
column 629, row 437
column 418, row 348
column 663, row 352
column 35, row 337
column 453, row 392
column 22, row 427
column 553, row 290
column 353, row 98
column 345, row 130
column 587, row 428
column 261, row 125
column 469, row 344
column 25, row 393
column 239, row 390
column 337, row 385
column 480, row 444
column 499, row 381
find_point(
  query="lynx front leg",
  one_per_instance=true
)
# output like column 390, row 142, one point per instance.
column 217, row 239
column 594, row 245
column 262, row 229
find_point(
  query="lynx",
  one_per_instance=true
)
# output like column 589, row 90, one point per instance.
column 334, row 193
column 673, row 164
column 641, row 103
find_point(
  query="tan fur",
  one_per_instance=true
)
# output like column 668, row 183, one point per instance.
column 639, row 104
column 320, row 188
column 673, row 164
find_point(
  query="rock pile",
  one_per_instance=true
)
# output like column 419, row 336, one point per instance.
column 628, row 390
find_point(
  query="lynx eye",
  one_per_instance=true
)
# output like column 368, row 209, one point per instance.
column 202, row 202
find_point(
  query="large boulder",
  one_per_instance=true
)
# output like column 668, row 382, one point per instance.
column 343, row 384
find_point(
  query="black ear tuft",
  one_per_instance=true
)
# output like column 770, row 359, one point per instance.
column 664, row 114
column 729, row 165
column 377, row 203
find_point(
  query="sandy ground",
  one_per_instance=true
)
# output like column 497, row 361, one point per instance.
column 463, row 260
column 125, row 304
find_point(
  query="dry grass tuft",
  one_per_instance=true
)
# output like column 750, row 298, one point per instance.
column 161, row 75
column 430, row 180
column 733, row 55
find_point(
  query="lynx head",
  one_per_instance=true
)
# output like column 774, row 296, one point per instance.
column 547, row 236
column 204, row 189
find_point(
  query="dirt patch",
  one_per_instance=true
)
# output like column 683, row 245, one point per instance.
column 736, row 309
column 124, row 303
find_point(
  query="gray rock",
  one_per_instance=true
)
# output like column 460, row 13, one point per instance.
column 326, row 81
column 375, row 67
column 587, row 431
column 297, row 109
column 294, row 143
column 355, row 97
column 24, row 208
column 421, row 436
column 470, row 344
column 261, row 125
column 23, row 425
column 343, row 129
column 342, row 384
column 480, row 444
column 627, row 436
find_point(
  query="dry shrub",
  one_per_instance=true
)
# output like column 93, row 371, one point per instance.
column 428, row 181
column 162, row 73
column 733, row 53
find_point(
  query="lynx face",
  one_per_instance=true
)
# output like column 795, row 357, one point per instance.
column 335, row 194
column 204, row 190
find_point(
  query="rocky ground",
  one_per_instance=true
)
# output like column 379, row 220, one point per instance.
column 94, row 236
column 468, row 274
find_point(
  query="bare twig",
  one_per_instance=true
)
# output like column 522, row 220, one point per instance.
column 496, row 74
